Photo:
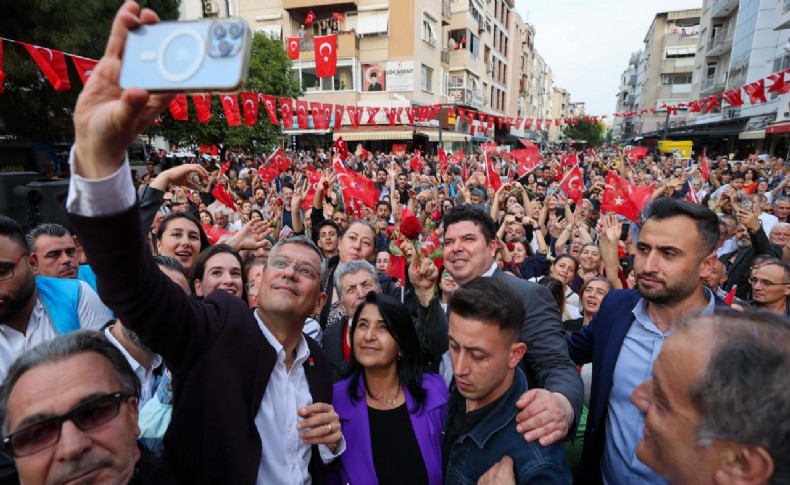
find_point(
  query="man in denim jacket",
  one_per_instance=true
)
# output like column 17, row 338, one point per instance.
column 485, row 322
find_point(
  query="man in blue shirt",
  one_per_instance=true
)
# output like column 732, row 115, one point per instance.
column 675, row 254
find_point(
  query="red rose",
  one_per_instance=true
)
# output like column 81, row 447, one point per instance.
column 326, row 185
column 410, row 228
column 510, row 246
column 279, row 202
column 436, row 215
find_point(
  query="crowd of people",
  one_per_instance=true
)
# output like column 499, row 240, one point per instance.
column 448, row 332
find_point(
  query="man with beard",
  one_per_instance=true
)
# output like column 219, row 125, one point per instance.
column 35, row 309
column 674, row 256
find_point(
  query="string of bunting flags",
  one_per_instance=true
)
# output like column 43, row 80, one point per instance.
column 282, row 111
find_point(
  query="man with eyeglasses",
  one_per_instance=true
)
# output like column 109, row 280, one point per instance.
column 69, row 414
column 770, row 282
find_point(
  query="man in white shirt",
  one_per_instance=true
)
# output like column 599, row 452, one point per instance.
column 35, row 310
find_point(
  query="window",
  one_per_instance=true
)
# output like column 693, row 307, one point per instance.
column 679, row 52
column 710, row 69
column 373, row 23
column 429, row 30
column 343, row 80
column 474, row 46
column 426, row 81
column 671, row 79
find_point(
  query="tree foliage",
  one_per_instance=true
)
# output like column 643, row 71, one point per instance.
column 270, row 73
column 590, row 131
column 30, row 108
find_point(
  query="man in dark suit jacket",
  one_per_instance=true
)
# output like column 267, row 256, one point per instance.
column 675, row 254
column 752, row 242
column 224, row 358
column 469, row 250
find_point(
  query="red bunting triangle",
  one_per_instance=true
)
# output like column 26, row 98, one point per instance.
column 84, row 67
column 52, row 63
column 202, row 106
column 230, row 105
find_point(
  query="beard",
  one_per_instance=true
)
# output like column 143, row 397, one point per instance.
column 16, row 302
column 664, row 293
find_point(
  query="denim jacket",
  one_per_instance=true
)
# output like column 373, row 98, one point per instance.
column 495, row 436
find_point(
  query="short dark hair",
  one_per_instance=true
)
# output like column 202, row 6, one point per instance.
column 204, row 242
column 491, row 300
column 330, row 223
column 738, row 175
column 200, row 264
column 466, row 212
column 44, row 229
column 707, row 221
column 399, row 324
column 64, row 347
column 170, row 263
column 384, row 203
column 742, row 395
column 12, row 230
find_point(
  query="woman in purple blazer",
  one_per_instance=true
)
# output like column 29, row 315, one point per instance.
column 391, row 412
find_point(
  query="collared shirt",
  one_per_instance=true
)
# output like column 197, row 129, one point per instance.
column 145, row 376
column 92, row 316
column 285, row 457
column 491, row 270
column 625, row 424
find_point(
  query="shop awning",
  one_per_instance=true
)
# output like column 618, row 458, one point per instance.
column 752, row 135
column 447, row 136
column 777, row 128
column 361, row 133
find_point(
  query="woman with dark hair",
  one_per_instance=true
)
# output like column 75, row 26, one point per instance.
column 391, row 412
column 180, row 236
column 591, row 296
column 563, row 269
column 217, row 268
column 206, row 218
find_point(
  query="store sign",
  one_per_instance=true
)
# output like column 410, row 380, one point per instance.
column 400, row 76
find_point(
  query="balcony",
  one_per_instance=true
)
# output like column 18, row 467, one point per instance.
column 712, row 85
column 723, row 8
column 447, row 12
column 289, row 4
column 445, row 56
column 783, row 22
column 466, row 96
column 347, row 46
column 720, row 42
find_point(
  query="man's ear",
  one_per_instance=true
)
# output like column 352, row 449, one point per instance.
column 517, row 351
column 745, row 464
column 33, row 261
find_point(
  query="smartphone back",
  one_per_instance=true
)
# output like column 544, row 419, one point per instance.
column 202, row 55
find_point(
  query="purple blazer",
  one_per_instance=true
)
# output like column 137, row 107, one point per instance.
column 356, row 463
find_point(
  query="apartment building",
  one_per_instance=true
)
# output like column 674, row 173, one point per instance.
column 623, row 126
column 665, row 68
column 560, row 109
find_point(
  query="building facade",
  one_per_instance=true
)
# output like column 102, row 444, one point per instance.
column 623, row 126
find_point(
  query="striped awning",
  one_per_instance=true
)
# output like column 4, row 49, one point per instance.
column 360, row 135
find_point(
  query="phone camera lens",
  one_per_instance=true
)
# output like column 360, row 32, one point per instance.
column 218, row 31
column 234, row 30
column 224, row 47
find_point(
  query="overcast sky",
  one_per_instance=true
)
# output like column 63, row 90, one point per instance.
column 587, row 43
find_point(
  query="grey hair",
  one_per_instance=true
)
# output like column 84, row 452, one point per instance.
column 742, row 395
column 61, row 348
column 781, row 199
column 303, row 241
column 354, row 267
column 781, row 225
column 45, row 229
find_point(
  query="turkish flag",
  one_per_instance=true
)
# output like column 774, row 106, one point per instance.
column 2, row 73
column 733, row 97
column 539, row 124
column 84, row 67
column 519, row 121
column 230, row 104
column 52, row 63
column 341, row 148
column 636, row 153
column 223, row 196
column 372, row 111
column 279, row 161
column 223, row 169
column 302, row 119
column 625, row 198
column 293, row 48
column 318, row 115
column 356, row 187
column 202, row 106
column 703, row 165
column 568, row 161
column 779, row 86
column 442, row 158
column 326, row 112
column 458, row 157
column 270, row 103
column 338, row 16
column 396, row 268
column 416, row 163
column 310, row 18
column 489, row 147
column 178, row 107
column 250, row 101
column 491, row 174
column 728, row 299
column 267, row 174
column 325, row 55
column 213, row 233
column 313, row 177
column 527, row 159
column 756, row 91
column 355, row 114
column 286, row 111
column 411, row 112
column 528, row 124
column 392, row 114
column 338, row 116
column 573, row 184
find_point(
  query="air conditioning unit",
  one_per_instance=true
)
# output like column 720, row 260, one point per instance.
column 208, row 8
column 490, row 66
column 481, row 26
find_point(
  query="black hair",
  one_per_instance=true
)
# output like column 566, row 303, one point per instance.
column 399, row 324
column 204, row 242
column 707, row 221
column 557, row 289
column 12, row 230
column 384, row 203
column 327, row 222
column 466, row 212
column 738, row 175
column 489, row 300
column 200, row 266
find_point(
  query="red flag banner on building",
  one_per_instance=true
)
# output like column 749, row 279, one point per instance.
column 355, row 115
column 623, row 197
column 573, row 184
column 287, row 112
column 325, row 55
column 270, row 103
column 779, row 85
column 84, row 67
column 492, row 177
column 733, row 97
column 356, row 187
column 293, row 48
column 230, row 104
column 326, row 111
column 302, row 118
column 178, row 108
column 223, row 196
column 52, row 63
column 250, row 102
column 341, row 148
column 202, row 106
column 756, row 91
column 338, row 116
column 318, row 115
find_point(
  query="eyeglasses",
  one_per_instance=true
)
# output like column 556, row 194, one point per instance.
column 302, row 269
column 7, row 267
column 41, row 435
column 766, row 283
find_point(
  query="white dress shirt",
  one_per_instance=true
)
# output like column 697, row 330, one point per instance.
column 145, row 376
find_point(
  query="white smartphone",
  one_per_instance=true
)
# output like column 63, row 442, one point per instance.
column 193, row 56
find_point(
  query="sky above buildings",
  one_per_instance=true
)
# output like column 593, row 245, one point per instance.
column 587, row 43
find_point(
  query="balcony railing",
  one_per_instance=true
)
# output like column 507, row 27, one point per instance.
column 445, row 56
column 721, row 38
column 447, row 11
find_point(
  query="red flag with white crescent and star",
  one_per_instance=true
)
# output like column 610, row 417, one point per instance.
column 178, row 108
column 293, row 48
column 313, row 177
column 308, row 20
column 250, row 102
column 287, row 112
column 84, row 67
column 341, row 148
column 356, row 187
column 270, row 103
column 624, row 197
column 52, row 63
column 573, row 184
column 202, row 106
column 279, row 161
column 230, row 104
column 442, row 158
column 302, row 118
column 339, row 108
column 325, row 55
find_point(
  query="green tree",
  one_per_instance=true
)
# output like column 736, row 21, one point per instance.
column 589, row 131
column 270, row 73
column 30, row 109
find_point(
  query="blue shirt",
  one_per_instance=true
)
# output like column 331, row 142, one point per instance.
column 625, row 424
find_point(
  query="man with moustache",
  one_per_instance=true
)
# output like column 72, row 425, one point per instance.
column 675, row 254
